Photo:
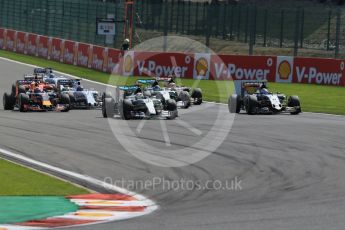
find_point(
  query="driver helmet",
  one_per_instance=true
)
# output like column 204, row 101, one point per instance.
column 37, row 88
column 171, row 85
column 139, row 96
column 156, row 88
column 264, row 91
column 33, row 85
column 66, row 88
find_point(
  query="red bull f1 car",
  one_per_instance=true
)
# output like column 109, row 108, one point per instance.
column 32, row 95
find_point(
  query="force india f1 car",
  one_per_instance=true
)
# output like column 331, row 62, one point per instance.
column 254, row 98
column 28, row 95
column 130, row 103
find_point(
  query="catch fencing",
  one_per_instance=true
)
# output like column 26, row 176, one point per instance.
column 306, row 30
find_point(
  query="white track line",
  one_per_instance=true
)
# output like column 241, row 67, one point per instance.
column 85, row 178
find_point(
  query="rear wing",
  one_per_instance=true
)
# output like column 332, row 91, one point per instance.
column 128, row 87
column 163, row 79
column 43, row 70
column 243, row 87
column 146, row 81
column 67, row 81
column 30, row 77
column 24, row 82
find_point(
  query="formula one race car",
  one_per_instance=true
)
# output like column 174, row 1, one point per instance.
column 254, row 98
column 195, row 94
column 130, row 102
column 80, row 98
column 180, row 94
column 28, row 95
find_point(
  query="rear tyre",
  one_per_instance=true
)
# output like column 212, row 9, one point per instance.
column 23, row 101
column 294, row 101
column 185, row 98
column 252, row 105
column 8, row 101
column 197, row 95
column 127, row 108
column 13, row 91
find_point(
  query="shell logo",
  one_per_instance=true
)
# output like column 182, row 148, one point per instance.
column 128, row 64
column 201, row 67
column 284, row 70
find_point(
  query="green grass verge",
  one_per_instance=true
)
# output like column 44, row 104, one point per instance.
column 17, row 180
column 314, row 98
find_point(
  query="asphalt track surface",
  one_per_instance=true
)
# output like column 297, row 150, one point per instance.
column 291, row 167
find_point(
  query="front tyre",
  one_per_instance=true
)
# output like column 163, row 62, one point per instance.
column 66, row 101
column 108, row 108
column 294, row 102
column 8, row 101
column 234, row 103
column 172, row 108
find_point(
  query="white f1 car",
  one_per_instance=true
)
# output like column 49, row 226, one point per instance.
column 80, row 98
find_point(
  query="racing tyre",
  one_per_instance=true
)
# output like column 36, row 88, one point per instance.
column 8, row 101
column 23, row 100
column 71, row 98
column 252, row 105
column 171, row 105
column 172, row 108
column 21, row 89
column 173, row 115
column 65, row 100
column 293, row 101
column 127, row 107
column 13, row 91
column 185, row 98
column 234, row 103
column 106, row 95
column 197, row 95
column 108, row 108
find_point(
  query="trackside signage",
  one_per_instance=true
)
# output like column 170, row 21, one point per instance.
column 234, row 67
column 203, row 66
column 157, row 64
column 319, row 71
